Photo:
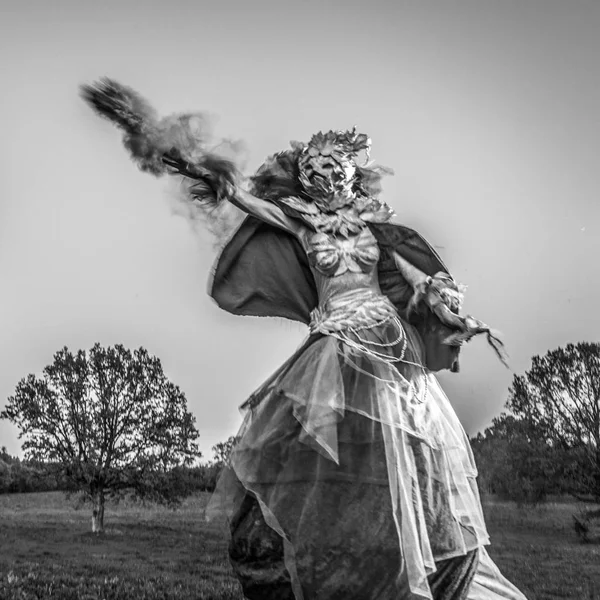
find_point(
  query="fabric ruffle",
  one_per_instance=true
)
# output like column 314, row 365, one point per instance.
column 349, row 456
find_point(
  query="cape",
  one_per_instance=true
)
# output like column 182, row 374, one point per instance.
column 263, row 271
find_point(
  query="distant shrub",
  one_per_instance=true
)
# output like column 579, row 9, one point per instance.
column 21, row 477
column 586, row 524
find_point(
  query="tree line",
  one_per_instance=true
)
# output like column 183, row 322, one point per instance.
column 547, row 441
column 108, row 423
column 18, row 476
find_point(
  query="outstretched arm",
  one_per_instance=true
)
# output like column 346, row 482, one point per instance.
column 216, row 181
column 265, row 211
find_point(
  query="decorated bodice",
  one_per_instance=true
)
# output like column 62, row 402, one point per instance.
column 342, row 264
column 343, row 256
column 346, row 277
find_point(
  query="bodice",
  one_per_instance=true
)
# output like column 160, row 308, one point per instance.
column 345, row 273
column 342, row 264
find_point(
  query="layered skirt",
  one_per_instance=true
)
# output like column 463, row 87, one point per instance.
column 353, row 478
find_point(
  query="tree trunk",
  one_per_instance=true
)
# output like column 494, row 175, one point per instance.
column 98, row 513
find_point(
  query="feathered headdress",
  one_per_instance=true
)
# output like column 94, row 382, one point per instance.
column 348, row 143
column 284, row 174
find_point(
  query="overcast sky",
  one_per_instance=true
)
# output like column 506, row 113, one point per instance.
column 487, row 110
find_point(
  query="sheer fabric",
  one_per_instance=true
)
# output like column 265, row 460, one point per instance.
column 490, row 584
column 360, row 464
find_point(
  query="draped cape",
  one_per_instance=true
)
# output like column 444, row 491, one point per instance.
column 263, row 271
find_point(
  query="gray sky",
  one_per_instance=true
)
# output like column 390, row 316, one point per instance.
column 487, row 111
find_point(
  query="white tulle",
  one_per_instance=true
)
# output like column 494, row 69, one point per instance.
column 426, row 451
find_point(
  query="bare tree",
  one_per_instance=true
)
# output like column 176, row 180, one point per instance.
column 110, row 420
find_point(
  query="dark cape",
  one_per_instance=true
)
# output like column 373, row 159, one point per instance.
column 263, row 271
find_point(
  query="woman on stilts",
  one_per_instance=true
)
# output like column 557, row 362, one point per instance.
column 352, row 477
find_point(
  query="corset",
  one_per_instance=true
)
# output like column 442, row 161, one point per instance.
column 345, row 271
column 333, row 256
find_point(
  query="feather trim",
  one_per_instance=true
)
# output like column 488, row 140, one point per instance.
column 443, row 297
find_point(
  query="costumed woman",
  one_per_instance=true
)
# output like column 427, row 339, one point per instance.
column 352, row 477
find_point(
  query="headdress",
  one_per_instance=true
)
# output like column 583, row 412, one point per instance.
column 327, row 167
column 322, row 183
column 338, row 144
column 302, row 171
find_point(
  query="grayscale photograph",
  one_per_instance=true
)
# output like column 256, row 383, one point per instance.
column 299, row 300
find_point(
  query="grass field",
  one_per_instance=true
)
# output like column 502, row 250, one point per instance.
column 48, row 552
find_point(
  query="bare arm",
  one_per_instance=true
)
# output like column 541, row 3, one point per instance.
column 217, row 181
column 265, row 211
column 423, row 286
column 443, row 297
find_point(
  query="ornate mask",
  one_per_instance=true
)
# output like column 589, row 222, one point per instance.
column 327, row 167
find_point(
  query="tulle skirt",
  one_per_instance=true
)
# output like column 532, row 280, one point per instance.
column 360, row 467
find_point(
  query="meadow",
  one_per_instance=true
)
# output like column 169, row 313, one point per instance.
column 47, row 551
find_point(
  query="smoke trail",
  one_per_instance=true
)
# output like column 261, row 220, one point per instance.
column 148, row 137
